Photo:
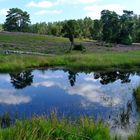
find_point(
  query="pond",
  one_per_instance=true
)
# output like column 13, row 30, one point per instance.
column 103, row 95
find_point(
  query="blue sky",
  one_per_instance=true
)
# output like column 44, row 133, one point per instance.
column 57, row 10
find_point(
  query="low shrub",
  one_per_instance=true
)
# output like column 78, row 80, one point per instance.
column 79, row 47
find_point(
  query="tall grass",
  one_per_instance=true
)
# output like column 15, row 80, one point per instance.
column 54, row 129
column 136, row 136
column 137, row 96
column 91, row 61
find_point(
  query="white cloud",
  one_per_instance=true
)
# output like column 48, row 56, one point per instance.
column 94, row 11
column 44, row 12
column 41, row 4
column 48, row 4
column 75, row 1
column 3, row 11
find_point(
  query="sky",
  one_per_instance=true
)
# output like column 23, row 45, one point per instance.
column 59, row 10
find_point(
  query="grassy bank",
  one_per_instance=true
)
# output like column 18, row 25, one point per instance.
column 54, row 129
column 93, row 61
column 137, row 97
column 136, row 136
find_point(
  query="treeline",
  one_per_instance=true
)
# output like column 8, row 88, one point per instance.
column 83, row 29
column 110, row 28
column 1, row 28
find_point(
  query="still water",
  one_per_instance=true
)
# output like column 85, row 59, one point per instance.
column 103, row 95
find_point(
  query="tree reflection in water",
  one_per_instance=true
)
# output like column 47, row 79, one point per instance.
column 110, row 77
column 72, row 78
column 21, row 80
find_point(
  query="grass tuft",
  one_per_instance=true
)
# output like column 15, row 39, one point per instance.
column 137, row 96
column 55, row 129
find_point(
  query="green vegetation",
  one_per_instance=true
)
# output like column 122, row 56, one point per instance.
column 137, row 96
column 54, row 129
column 95, row 57
column 69, row 30
column 36, row 43
column 136, row 136
column 81, row 61
column 98, row 60
column 54, row 45
column 16, row 20
column 1, row 28
column 117, row 29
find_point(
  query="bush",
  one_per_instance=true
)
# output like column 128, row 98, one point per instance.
column 7, row 45
column 79, row 47
column 109, row 45
column 127, row 40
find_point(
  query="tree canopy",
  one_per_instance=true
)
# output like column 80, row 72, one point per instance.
column 116, row 28
column 70, row 30
column 16, row 20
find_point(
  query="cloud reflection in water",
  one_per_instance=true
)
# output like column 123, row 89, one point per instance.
column 92, row 90
column 10, row 97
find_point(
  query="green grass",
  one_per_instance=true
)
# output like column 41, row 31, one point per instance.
column 137, row 96
column 54, row 129
column 100, row 59
column 136, row 136
column 16, row 62
column 79, row 61
column 28, row 38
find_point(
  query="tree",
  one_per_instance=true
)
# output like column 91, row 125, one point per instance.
column 16, row 20
column 137, row 30
column 96, row 30
column 118, row 29
column 1, row 27
column 127, row 27
column 110, row 22
column 87, row 25
column 70, row 31
column 80, row 30
column 42, row 28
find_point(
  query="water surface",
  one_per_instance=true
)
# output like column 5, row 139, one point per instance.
column 102, row 95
